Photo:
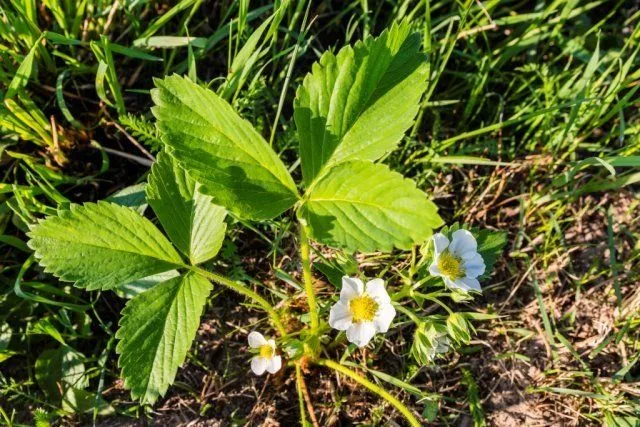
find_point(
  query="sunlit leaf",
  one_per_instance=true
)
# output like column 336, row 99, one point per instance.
column 359, row 103
column 156, row 331
column 192, row 221
column 101, row 245
column 365, row 206
column 222, row 151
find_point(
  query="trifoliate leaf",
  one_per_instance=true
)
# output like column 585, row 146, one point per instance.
column 365, row 206
column 359, row 103
column 101, row 245
column 194, row 224
column 156, row 331
column 221, row 151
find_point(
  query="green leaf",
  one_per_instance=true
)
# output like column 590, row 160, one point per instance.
column 458, row 328
column 60, row 368
column 490, row 246
column 101, row 245
column 156, row 331
column 132, row 197
column 78, row 401
column 359, row 103
column 194, row 224
column 222, row 151
column 24, row 71
column 365, row 206
column 135, row 288
column 45, row 326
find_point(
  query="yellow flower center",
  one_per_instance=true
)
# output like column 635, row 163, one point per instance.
column 266, row 351
column 451, row 265
column 363, row 308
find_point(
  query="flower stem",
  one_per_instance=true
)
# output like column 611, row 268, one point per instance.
column 305, row 254
column 408, row 312
column 372, row 387
column 302, row 390
column 299, row 380
column 243, row 290
column 440, row 303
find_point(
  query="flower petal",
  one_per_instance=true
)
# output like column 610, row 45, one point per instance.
column 351, row 288
column 468, row 284
column 440, row 243
column 384, row 317
column 259, row 365
column 340, row 316
column 256, row 340
column 450, row 283
column 463, row 242
column 361, row 333
column 375, row 289
column 474, row 266
column 272, row 343
column 274, row 364
column 433, row 268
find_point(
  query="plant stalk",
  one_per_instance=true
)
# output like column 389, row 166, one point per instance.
column 299, row 379
column 372, row 387
column 410, row 314
column 302, row 389
column 305, row 255
column 243, row 290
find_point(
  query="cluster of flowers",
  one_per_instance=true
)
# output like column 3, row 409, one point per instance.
column 364, row 310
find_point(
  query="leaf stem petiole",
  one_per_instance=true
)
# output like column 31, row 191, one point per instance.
column 305, row 255
column 243, row 290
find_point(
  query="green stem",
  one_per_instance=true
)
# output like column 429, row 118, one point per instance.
column 299, row 379
column 243, row 290
column 440, row 303
column 305, row 254
column 414, row 317
column 372, row 387
column 405, row 291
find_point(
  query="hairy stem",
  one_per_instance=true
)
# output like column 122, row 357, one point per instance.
column 372, row 387
column 302, row 389
column 243, row 290
column 305, row 254
column 299, row 383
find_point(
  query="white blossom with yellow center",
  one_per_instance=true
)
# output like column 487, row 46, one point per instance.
column 266, row 358
column 362, row 311
column 458, row 262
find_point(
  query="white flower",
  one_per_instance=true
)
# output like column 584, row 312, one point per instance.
column 362, row 310
column 458, row 262
column 266, row 359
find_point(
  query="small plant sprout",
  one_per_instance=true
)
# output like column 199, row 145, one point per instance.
column 362, row 311
column 266, row 358
column 458, row 261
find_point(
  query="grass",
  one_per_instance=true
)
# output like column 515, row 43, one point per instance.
column 530, row 125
